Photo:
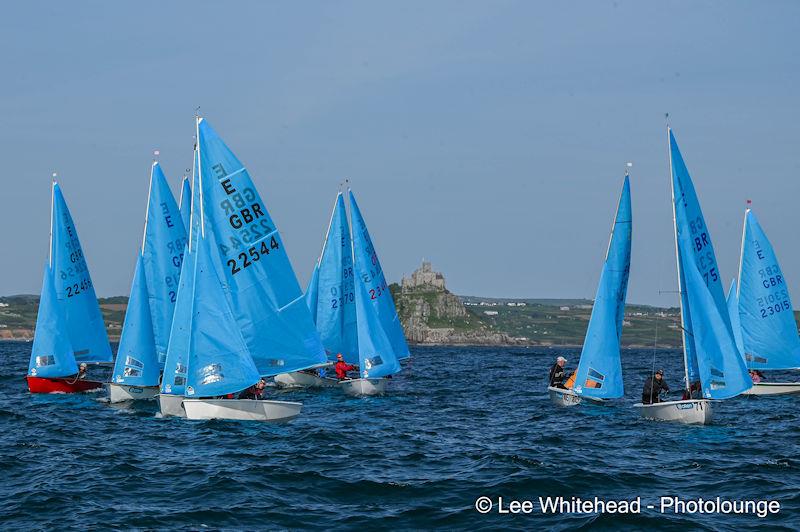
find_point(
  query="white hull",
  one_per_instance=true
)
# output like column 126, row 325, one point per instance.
column 118, row 393
column 363, row 387
column 773, row 388
column 298, row 379
column 564, row 397
column 171, row 405
column 692, row 411
column 241, row 409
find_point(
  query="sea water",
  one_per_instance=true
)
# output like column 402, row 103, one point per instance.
column 459, row 423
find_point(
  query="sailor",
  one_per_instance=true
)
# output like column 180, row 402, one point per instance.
column 653, row 386
column 81, row 371
column 342, row 367
column 557, row 374
column 756, row 376
column 256, row 391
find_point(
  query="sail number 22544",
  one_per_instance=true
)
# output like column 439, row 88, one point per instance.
column 253, row 254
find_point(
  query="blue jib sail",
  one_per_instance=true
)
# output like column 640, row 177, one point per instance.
column 176, row 365
column 599, row 372
column 76, row 297
column 332, row 300
column 51, row 356
column 710, row 348
column 137, row 359
column 261, row 285
column 162, row 253
column 376, row 355
column 733, row 313
column 185, row 202
column 769, row 331
column 219, row 361
column 368, row 268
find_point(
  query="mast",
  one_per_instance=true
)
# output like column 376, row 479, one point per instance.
column 199, row 171
column 147, row 210
column 678, row 261
column 52, row 215
column 741, row 251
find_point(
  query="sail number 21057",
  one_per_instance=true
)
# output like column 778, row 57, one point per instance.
column 253, row 254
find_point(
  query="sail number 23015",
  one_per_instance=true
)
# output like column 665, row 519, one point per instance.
column 252, row 255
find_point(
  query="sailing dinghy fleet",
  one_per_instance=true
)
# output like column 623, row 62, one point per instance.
column 215, row 307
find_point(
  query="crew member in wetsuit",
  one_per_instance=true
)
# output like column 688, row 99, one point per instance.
column 342, row 367
column 653, row 386
column 557, row 374
column 256, row 391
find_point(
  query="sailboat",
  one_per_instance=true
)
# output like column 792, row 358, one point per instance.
column 713, row 365
column 381, row 340
column 599, row 374
column 148, row 320
column 69, row 326
column 330, row 297
column 246, row 313
column 764, row 312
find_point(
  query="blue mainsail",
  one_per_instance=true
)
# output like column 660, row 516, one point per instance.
column 368, row 268
column 709, row 345
column 376, row 355
column 733, row 313
column 261, row 285
column 219, row 361
column 330, row 293
column 599, row 372
column 51, row 356
column 137, row 358
column 768, row 328
column 185, row 202
column 76, row 297
column 162, row 253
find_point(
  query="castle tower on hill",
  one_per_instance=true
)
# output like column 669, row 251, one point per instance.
column 424, row 279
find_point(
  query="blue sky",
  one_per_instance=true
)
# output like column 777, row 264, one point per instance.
column 488, row 137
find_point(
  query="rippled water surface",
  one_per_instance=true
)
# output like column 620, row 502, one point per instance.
column 457, row 424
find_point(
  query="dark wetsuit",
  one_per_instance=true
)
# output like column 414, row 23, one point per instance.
column 557, row 376
column 652, row 388
column 252, row 393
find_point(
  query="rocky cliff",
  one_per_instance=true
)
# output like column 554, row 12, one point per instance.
column 432, row 315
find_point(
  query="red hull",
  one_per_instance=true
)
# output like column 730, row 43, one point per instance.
column 42, row 385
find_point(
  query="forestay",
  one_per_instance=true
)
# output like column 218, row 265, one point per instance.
column 368, row 269
column 76, row 297
column 51, row 356
column 768, row 327
column 330, row 294
column 599, row 372
column 263, row 291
